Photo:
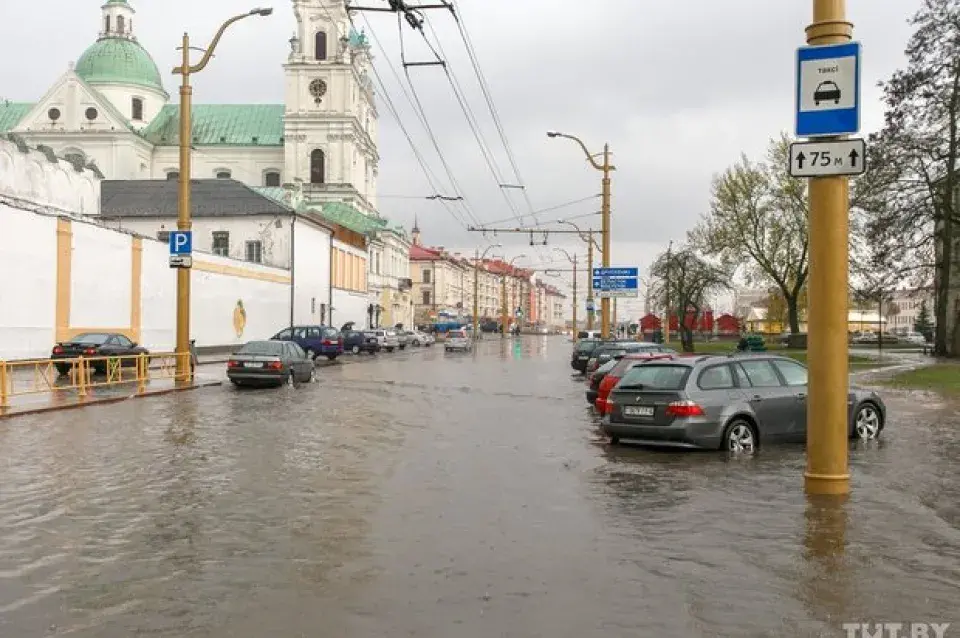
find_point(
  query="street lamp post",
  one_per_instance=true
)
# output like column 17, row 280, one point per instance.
column 606, row 169
column 573, row 260
column 591, row 244
column 476, row 288
column 185, row 70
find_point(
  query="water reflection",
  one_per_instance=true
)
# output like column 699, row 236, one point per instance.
column 826, row 582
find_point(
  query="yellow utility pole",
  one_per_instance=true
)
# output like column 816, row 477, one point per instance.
column 606, row 168
column 827, row 469
column 590, row 279
column 573, row 260
column 503, row 307
column 183, row 368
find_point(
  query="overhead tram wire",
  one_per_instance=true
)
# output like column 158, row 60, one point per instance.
column 485, row 89
column 391, row 107
column 473, row 123
column 417, row 105
column 547, row 210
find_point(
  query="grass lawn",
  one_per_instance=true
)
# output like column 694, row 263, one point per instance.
column 942, row 377
column 857, row 362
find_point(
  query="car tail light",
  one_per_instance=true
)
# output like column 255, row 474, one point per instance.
column 275, row 365
column 681, row 409
column 90, row 351
column 57, row 350
column 328, row 342
column 233, row 364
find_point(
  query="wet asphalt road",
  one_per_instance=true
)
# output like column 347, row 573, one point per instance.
column 461, row 495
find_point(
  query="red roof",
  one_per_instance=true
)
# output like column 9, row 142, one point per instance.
column 422, row 253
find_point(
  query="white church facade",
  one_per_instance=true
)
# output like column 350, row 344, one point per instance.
column 110, row 110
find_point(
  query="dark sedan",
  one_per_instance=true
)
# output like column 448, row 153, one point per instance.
column 733, row 403
column 356, row 342
column 595, row 377
column 270, row 363
column 97, row 344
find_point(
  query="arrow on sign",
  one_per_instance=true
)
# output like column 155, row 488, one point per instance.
column 800, row 159
column 853, row 158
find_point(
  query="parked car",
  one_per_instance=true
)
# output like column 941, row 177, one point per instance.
column 403, row 338
column 458, row 340
column 387, row 339
column 315, row 340
column 596, row 377
column 270, row 363
column 356, row 342
column 581, row 353
column 914, row 338
column 421, row 338
column 733, row 403
column 96, row 344
column 605, row 352
column 623, row 365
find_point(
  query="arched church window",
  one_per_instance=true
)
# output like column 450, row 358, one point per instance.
column 223, row 174
column 320, row 44
column 120, row 24
column 106, row 23
column 137, row 108
column 271, row 178
column 173, row 175
column 317, row 169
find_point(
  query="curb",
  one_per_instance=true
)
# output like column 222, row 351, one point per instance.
column 10, row 413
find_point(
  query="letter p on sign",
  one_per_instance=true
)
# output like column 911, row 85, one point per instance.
column 181, row 242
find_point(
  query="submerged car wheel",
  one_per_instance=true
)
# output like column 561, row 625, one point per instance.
column 311, row 354
column 355, row 350
column 291, row 380
column 740, row 437
column 312, row 376
column 868, row 422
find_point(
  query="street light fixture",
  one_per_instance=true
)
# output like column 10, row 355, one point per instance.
column 573, row 260
column 476, row 287
column 591, row 244
column 606, row 169
column 184, row 222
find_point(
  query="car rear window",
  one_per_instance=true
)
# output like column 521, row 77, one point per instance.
column 262, row 347
column 586, row 346
column 607, row 367
column 95, row 339
column 656, row 377
column 330, row 333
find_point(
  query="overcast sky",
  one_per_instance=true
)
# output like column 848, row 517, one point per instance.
column 677, row 88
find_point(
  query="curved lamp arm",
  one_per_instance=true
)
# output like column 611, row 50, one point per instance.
column 586, row 151
column 199, row 66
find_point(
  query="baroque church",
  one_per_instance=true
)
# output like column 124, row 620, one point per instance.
column 111, row 108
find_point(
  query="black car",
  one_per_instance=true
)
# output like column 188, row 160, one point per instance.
column 826, row 91
column 97, row 344
column 266, row 363
column 581, row 353
column 356, row 342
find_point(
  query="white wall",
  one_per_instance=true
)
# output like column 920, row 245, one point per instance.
column 32, row 178
column 312, row 272
column 349, row 306
column 246, row 164
column 27, row 283
column 100, row 270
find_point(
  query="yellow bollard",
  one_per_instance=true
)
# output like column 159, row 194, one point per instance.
column 3, row 384
column 81, row 368
column 142, row 373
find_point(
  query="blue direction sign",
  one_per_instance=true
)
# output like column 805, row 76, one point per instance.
column 616, row 282
column 181, row 249
column 828, row 90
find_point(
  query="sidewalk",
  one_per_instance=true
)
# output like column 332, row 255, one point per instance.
column 68, row 399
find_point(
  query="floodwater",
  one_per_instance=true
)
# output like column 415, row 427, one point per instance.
column 435, row 495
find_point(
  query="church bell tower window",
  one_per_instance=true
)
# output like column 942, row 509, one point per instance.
column 137, row 109
column 106, row 24
column 317, row 167
column 320, row 44
column 120, row 25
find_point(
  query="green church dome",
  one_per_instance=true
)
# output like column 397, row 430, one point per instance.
column 118, row 61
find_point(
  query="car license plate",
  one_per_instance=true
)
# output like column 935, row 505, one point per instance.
column 637, row 410
column 581, row 358
column 252, row 364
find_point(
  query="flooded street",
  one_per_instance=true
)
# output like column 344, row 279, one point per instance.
column 437, row 495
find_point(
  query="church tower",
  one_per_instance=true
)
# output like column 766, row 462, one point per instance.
column 330, row 121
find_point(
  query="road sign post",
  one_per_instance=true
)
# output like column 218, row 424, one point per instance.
column 609, row 283
column 181, row 249
column 828, row 105
column 827, row 158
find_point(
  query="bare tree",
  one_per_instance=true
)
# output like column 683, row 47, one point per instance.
column 684, row 281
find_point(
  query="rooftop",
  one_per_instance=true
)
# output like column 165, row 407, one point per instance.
column 118, row 61
column 11, row 113
column 220, row 125
column 208, row 198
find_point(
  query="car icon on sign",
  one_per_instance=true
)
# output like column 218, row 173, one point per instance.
column 825, row 92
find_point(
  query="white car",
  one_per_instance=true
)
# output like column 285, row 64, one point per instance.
column 457, row 340
column 914, row 338
column 422, row 339
column 387, row 339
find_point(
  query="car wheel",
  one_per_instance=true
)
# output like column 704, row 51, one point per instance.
column 403, row 347
column 63, row 370
column 614, row 440
column 355, row 350
column 331, row 357
column 867, row 423
column 389, row 349
column 311, row 354
column 740, row 437
column 312, row 376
